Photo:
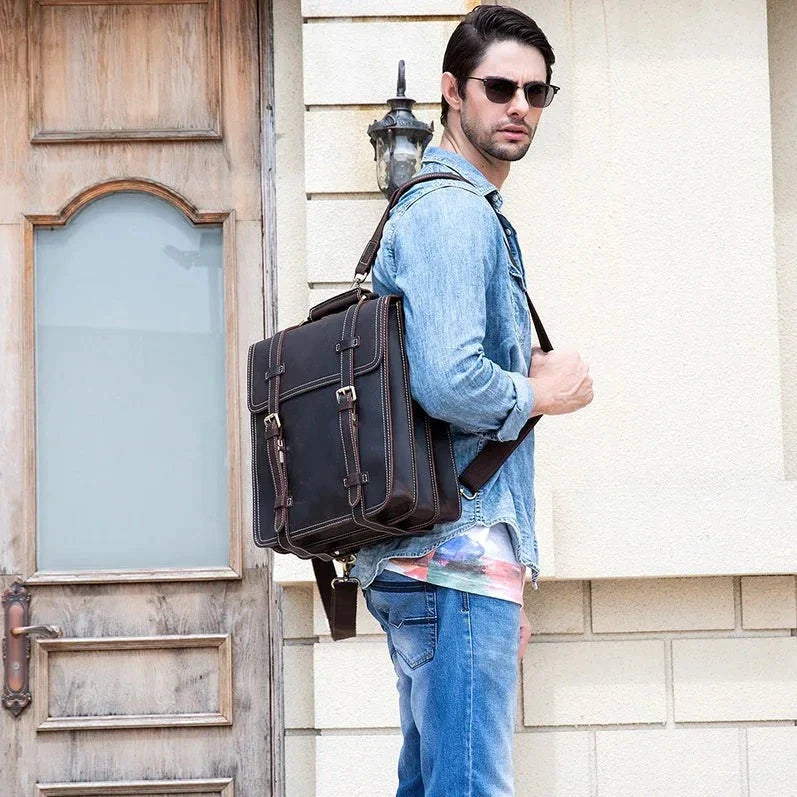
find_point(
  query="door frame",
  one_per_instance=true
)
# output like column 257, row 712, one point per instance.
column 270, row 282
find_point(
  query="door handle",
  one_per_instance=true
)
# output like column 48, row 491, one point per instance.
column 41, row 630
column 16, row 646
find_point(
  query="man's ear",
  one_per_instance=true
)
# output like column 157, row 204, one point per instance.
column 448, row 88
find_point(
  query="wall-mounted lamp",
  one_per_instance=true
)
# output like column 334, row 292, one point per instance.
column 399, row 140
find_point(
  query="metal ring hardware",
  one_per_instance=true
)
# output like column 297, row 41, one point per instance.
column 465, row 495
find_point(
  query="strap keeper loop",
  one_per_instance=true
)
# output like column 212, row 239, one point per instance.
column 347, row 343
column 353, row 479
column 275, row 371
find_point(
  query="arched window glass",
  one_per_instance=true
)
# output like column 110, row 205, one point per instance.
column 131, row 441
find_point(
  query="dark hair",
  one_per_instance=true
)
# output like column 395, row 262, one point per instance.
column 478, row 30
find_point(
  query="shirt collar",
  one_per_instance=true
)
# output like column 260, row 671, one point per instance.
column 464, row 168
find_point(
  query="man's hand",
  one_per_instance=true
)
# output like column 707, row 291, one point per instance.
column 525, row 633
column 560, row 380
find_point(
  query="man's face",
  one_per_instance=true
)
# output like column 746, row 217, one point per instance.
column 503, row 131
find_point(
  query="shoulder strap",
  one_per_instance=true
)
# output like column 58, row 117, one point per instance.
column 495, row 453
column 368, row 256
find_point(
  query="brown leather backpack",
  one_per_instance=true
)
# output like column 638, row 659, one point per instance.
column 342, row 456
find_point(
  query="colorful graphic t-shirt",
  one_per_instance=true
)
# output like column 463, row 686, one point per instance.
column 480, row 560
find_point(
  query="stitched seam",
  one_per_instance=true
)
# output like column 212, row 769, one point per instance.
column 382, row 407
column 340, row 414
column 355, row 442
column 384, row 307
column 409, row 409
column 256, row 487
column 432, row 475
column 249, row 368
column 268, row 452
column 384, row 302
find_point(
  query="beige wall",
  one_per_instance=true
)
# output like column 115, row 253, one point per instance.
column 656, row 687
column 655, row 210
column 783, row 86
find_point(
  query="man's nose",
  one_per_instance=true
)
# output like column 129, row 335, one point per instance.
column 519, row 106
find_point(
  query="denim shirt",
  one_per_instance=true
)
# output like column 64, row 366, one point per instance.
column 468, row 337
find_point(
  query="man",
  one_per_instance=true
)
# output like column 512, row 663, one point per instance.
column 450, row 599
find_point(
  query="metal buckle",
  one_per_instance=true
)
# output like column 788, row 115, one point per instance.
column 348, row 562
column 465, row 495
column 340, row 393
column 272, row 418
column 358, row 280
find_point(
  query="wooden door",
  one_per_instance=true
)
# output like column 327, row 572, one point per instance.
column 131, row 283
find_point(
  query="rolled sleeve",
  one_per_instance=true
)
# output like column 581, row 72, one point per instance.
column 520, row 412
column 443, row 252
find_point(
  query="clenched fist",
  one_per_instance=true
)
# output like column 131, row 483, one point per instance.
column 560, row 380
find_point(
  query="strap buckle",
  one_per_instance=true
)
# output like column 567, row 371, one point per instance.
column 348, row 563
column 272, row 418
column 341, row 392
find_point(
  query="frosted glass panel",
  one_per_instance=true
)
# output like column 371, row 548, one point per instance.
column 131, row 449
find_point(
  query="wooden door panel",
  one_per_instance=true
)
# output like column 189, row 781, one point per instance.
column 96, row 73
column 166, row 681
column 41, row 176
column 162, row 682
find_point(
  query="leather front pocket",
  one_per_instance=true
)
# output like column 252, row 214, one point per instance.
column 407, row 610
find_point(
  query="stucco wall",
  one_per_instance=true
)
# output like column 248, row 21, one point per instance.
column 655, row 210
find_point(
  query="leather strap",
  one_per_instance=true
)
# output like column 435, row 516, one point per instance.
column 347, row 422
column 368, row 257
column 339, row 598
column 275, row 448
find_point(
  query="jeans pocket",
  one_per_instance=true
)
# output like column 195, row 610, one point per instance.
column 408, row 612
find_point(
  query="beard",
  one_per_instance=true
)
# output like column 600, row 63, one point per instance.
column 484, row 139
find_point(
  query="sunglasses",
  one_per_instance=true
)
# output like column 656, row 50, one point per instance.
column 502, row 90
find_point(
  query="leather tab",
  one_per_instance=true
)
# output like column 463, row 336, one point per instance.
column 353, row 479
column 344, row 610
column 338, row 303
column 272, row 430
column 281, row 502
column 345, row 404
column 340, row 603
column 275, row 371
column 347, row 343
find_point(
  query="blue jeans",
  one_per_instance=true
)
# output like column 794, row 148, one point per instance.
column 455, row 654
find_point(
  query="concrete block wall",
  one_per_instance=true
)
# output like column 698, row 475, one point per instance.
column 663, row 658
column 648, row 687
